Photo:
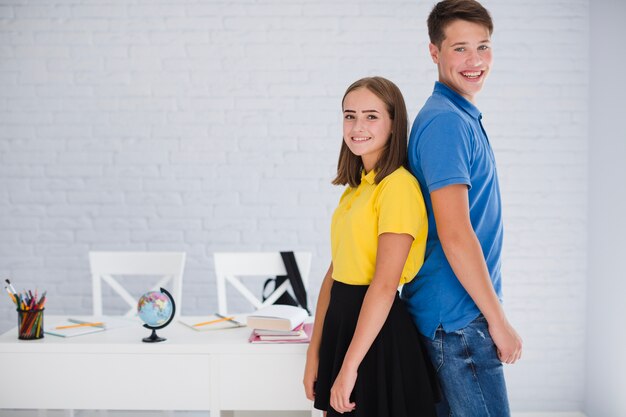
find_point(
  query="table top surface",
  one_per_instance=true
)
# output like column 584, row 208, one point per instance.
column 180, row 339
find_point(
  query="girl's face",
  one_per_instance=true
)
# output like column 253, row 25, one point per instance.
column 366, row 125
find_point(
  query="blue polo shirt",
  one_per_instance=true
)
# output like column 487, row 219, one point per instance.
column 448, row 145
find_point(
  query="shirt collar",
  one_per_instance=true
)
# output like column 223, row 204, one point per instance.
column 369, row 177
column 457, row 99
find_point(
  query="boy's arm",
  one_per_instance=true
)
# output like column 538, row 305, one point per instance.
column 464, row 253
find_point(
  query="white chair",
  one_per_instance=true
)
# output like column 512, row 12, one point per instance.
column 104, row 266
column 230, row 266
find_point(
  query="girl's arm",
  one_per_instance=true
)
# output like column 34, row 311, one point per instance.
column 393, row 250
column 312, row 356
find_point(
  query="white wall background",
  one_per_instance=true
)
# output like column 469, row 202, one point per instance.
column 215, row 125
column 606, row 286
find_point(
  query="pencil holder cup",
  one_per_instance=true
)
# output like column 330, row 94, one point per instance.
column 30, row 324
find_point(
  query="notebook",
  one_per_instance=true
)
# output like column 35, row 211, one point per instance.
column 77, row 326
column 52, row 329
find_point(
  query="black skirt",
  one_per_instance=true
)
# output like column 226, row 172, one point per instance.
column 395, row 378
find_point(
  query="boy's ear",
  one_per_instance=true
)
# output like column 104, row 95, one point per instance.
column 434, row 52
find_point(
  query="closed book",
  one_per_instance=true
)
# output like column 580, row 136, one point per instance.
column 295, row 332
column 307, row 329
column 277, row 317
column 274, row 337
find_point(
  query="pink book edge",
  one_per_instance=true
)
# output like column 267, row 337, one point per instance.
column 307, row 327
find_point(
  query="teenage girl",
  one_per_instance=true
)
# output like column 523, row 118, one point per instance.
column 365, row 357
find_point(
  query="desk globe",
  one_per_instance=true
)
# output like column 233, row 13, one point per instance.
column 156, row 309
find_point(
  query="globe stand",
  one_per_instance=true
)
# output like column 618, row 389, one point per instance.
column 153, row 338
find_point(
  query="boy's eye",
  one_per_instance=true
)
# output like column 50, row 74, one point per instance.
column 483, row 47
column 460, row 49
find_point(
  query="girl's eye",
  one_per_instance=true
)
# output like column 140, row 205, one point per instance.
column 348, row 117
column 371, row 117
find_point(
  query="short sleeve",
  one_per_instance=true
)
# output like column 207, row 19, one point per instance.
column 444, row 150
column 400, row 206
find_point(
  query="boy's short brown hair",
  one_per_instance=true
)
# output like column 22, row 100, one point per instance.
column 447, row 11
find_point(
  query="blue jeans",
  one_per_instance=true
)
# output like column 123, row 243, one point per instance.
column 469, row 371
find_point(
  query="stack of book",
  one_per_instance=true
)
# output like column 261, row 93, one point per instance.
column 279, row 324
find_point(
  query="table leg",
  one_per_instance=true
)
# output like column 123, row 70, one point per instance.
column 316, row 413
column 214, row 399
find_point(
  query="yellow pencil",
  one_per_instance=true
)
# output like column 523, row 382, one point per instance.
column 204, row 323
column 71, row 326
column 38, row 326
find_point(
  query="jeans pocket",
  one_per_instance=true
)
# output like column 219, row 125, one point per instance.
column 484, row 349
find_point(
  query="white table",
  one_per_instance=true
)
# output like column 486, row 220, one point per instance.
column 115, row 370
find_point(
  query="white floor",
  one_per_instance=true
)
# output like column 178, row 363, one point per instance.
column 92, row 413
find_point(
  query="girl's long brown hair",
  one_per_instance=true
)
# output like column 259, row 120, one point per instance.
column 394, row 154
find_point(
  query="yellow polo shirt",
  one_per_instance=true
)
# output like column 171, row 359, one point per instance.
column 396, row 205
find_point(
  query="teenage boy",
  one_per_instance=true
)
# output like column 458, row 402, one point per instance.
column 455, row 298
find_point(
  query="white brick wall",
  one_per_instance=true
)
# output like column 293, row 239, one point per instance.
column 214, row 125
column 605, row 337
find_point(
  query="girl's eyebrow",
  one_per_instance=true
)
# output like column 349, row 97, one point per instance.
column 362, row 111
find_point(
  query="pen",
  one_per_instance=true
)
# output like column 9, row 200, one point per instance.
column 42, row 300
column 71, row 326
column 230, row 319
column 77, row 321
column 204, row 323
column 21, row 303
column 10, row 286
column 11, row 295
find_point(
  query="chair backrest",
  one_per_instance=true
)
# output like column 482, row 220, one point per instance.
column 230, row 266
column 104, row 266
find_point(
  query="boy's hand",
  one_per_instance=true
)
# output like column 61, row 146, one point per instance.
column 508, row 342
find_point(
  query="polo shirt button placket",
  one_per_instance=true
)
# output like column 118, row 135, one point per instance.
column 356, row 194
column 349, row 205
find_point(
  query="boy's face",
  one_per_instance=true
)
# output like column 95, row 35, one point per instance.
column 464, row 58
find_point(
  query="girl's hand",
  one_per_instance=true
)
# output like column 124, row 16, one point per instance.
column 310, row 375
column 341, row 390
